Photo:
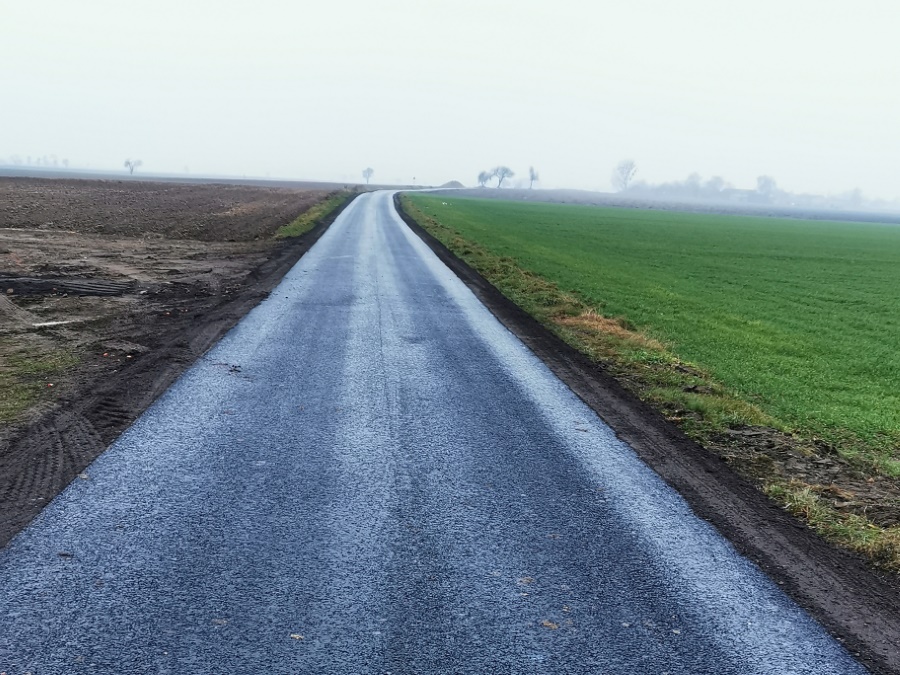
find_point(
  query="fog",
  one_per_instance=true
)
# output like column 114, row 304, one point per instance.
column 428, row 92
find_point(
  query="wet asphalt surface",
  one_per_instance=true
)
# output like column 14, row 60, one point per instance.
column 369, row 474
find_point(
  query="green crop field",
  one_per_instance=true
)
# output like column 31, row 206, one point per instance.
column 799, row 318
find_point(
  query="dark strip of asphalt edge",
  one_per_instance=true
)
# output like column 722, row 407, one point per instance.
column 859, row 606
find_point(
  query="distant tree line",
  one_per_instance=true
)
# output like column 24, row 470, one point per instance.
column 714, row 189
column 694, row 187
column 766, row 192
column 44, row 161
column 501, row 173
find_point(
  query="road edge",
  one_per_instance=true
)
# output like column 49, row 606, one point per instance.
column 858, row 606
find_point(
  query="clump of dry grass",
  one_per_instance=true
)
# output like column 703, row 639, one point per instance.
column 592, row 322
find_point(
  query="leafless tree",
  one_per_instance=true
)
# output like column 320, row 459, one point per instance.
column 368, row 173
column 501, row 173
column 132, row 164
column 484, row 177
column 766, row 186
column 855, row 197
column 623, row 174
column 532, row 176
column 715, row 184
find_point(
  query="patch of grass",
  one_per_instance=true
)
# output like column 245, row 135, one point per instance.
column 308, row 219
column 24, row 376
column 722, row 323
column 880, row 545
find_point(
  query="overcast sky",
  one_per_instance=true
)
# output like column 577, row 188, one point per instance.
column 806, row 91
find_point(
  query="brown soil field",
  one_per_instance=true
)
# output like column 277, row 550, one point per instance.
column 108, row 291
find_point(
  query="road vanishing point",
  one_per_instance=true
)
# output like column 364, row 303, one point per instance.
column 370, row 474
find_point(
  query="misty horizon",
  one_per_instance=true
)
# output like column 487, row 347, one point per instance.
column 430, row 94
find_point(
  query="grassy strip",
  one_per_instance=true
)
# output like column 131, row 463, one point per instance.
column 880, row 545
column 308, row 219
column 712, row 413
column 25, row 377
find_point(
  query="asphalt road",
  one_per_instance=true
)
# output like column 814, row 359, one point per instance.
column 369, row 474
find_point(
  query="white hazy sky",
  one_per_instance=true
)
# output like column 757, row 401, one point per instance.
column 805, row 90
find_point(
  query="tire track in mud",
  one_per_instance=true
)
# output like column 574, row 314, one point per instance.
column 73, row 285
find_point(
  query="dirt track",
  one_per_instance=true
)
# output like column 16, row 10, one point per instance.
column 126, row 284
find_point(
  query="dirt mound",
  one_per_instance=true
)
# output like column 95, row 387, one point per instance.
column 453, row 184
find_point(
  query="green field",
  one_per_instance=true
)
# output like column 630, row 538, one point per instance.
column 798, row 318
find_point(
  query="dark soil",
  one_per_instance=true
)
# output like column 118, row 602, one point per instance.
column 761, row 453
column 859, row 606
column 136, row 209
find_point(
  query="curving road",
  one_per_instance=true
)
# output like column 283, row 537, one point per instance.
column 369, row 474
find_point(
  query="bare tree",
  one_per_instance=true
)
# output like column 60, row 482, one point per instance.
column 501, row 173
column 484, row 177
column 766, row 186
column 855, row 197
column 532, row 176
column 715, row 184
column 132, row 164
column 623, row 174
column 368, row 173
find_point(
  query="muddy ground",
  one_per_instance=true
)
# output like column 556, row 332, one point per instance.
column 108, row 291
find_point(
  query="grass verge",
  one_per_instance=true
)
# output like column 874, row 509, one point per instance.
column 27, row 377
column 843, row 483
column 308, row 219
